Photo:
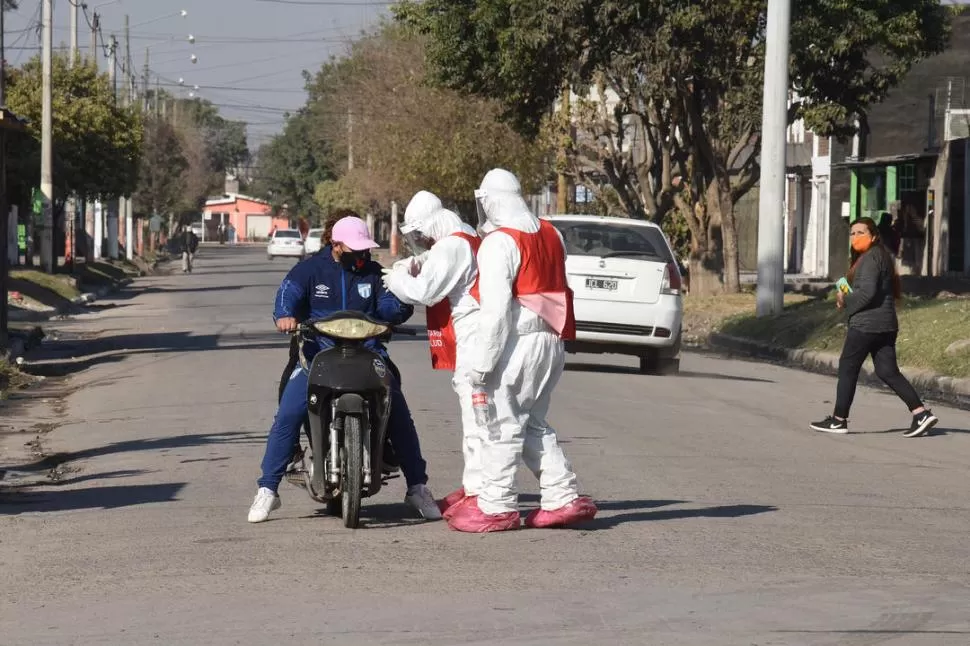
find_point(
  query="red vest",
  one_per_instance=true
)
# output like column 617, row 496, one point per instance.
column 542, row 272
column 441, row 328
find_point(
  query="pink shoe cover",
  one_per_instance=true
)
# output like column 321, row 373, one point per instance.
column 469, row 518
column 467, row 500
column 579, row 510
column 451, row 499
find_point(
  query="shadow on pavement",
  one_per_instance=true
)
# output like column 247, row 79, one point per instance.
column 160, row 444
column 92, row 498
column 377, row 516
column 63, row 481
column 646, row 510
column 937, row 430
column 60, row 358
column 685, row 374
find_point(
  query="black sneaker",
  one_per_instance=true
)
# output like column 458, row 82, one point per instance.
column 922, row 423
column 831, row 425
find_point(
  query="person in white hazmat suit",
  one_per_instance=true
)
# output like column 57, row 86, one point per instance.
column 525, row 314
column 441, row 276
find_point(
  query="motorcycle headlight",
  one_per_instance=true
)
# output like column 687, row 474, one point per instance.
column 351, row 329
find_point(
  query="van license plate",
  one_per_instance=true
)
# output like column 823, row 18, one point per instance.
column 602, row 283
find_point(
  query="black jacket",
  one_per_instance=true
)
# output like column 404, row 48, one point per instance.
column 871, row 306
column 189, row 241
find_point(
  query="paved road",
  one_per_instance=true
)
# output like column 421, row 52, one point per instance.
column 724, row 521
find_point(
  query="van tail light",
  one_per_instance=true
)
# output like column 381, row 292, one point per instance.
column 671, row 283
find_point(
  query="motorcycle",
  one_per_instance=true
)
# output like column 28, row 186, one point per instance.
column 348, row 407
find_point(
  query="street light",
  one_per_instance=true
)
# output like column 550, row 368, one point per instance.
column 180, row 14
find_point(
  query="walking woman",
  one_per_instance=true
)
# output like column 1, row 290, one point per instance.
column 872, row 330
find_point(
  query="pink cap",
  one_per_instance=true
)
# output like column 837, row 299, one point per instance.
column 353, row 232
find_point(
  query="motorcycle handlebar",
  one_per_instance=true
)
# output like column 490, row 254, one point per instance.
column 303, row 327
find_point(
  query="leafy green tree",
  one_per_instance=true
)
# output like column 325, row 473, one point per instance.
column 163, row 164
column 225, row 141
column 289, row 168
column 407, row 135
column 669, row 93
column 332, row 195
column 97, row 143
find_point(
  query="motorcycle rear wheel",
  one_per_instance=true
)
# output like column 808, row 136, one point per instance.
column 352, row 485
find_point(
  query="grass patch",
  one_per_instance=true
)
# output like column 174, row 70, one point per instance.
column 11, row 378
column 704, row 315
column 926, row 327
column 29, row 281
column 100, row 273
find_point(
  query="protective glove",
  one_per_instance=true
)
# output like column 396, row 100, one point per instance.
column 411, row 265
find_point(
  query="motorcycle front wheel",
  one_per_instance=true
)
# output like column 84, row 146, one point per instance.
column 352, row 484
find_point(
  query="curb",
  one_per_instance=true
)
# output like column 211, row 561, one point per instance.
column 949, row 390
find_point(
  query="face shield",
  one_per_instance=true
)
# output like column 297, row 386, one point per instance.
column 480, row 196
column 416, row 242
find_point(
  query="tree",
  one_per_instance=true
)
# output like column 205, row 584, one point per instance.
column 224, row 140
column 160, row 188
column 670, row 110
column 290, row 167
column 199, row 179
column 333, row 195
column 407, row 135
column 97, row 144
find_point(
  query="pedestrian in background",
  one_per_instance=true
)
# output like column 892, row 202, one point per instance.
column 189, row 243
column 870, row 303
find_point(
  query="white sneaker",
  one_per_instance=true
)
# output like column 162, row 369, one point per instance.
column 265, row 503
column 422, row 501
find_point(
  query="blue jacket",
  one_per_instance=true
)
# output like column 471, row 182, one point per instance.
column 320, row 286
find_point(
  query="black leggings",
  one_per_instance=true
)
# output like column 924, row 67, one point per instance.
column 882, row 347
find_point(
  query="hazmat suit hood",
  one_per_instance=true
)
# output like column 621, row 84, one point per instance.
column 500, row 203
column 426, row 222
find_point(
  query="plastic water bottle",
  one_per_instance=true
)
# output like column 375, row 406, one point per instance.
column 480, row 406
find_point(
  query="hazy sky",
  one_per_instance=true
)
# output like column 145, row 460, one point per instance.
column 250, row 52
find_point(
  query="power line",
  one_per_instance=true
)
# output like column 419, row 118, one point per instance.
column 239, row 89
column 331, row 3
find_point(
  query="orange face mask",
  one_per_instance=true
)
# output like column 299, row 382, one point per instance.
column 861, row 243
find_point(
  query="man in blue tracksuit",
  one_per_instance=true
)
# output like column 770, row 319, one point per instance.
column 341, row 277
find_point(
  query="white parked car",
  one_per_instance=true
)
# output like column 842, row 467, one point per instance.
column 627, row 288
column 313, row 242
column 285, row 242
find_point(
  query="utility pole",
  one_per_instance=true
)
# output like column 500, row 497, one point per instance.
column 350, row 140
column 91, row 218
column 72, row 205
column 75, row 6
column 46, row 141
column 106, row 212
column 774, row 128
column 112, row 64
column 4, row 206
column 121, row 211
column 144, row 85
column 562, row 187
column 93, row 52
column 129, row 75
column 393, row 242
